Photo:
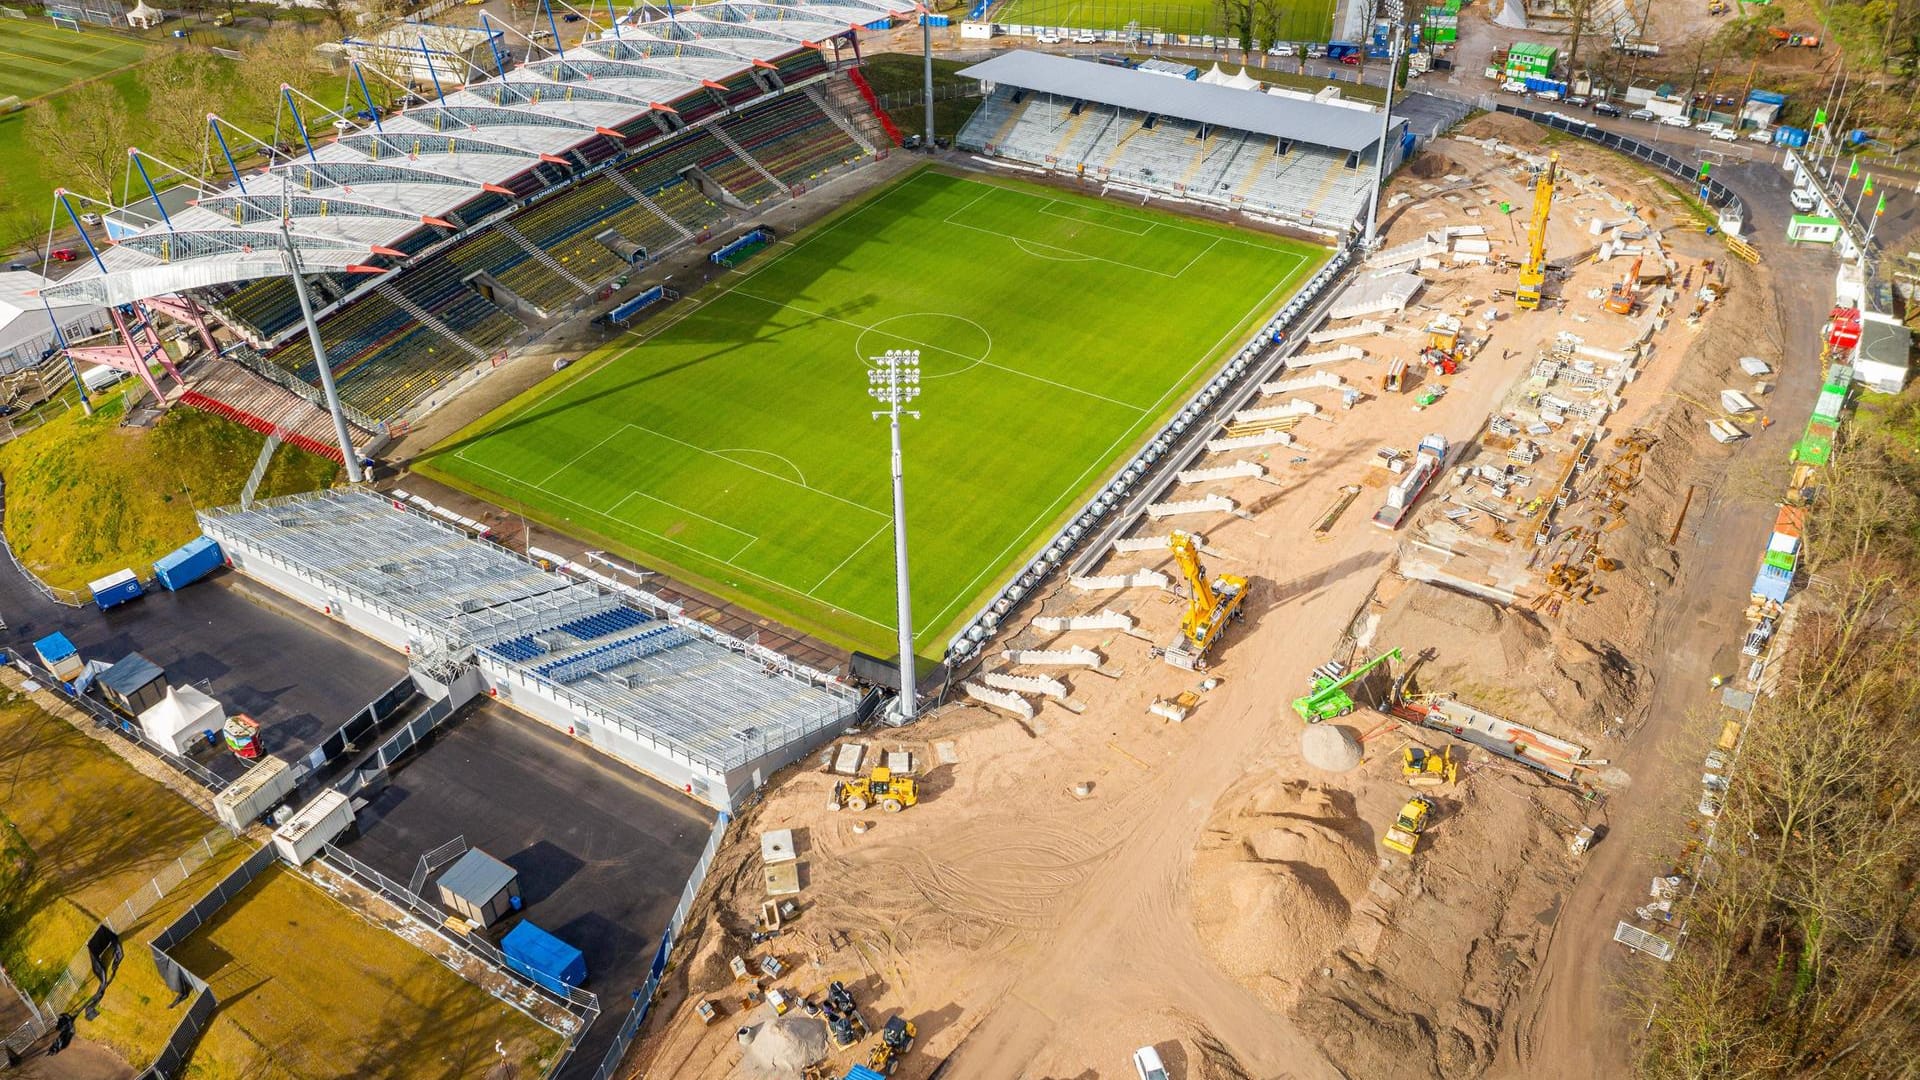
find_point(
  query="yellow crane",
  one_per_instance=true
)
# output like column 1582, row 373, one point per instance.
column 1211, row 601
column 1533, row 273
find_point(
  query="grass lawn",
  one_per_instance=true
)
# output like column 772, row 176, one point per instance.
column 86, row 497
column 38, row 58
column 82, row 832
column 1299, row 20
column 900, row 74
column 733, row 442
column 309, row 989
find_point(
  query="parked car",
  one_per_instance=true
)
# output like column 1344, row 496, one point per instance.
column 1048, row 37
column 1578, row 101
column 1281, row 48
column 89, row 218
column 1724, row 135
column 1353, row 59
column 1802, row 200
column 1709, row 126
column 64, row 255
column 1316, row 51
column 1086, row 37
column 1146, row 1062
column 1676, row 121
column 1642, row 114
column 1604, row 108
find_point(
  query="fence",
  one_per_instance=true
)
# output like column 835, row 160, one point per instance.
column 1712, row 191
column 397, row 744
column 582, row 1005
column 434, row 860
column 368, row 721
column 119, row 725
column 171, row 1060
column 643, row 1000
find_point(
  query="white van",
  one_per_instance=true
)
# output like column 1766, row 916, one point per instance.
column 97, row 379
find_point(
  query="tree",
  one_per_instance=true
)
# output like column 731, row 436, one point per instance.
column 1237, row 16
column 85, row 131
column 181, row 91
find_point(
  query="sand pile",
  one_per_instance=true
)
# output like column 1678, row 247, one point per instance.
column 781, row 1049
column 1330, row 747
column 1272, row 882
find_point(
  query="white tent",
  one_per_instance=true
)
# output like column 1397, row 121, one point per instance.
column 176, row 721
column 1241, row 81
column 146, row 17
column 1216, row 77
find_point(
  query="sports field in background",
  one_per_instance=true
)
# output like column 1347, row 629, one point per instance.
column 731, row 440
column 39, row 58
column 1299, row 20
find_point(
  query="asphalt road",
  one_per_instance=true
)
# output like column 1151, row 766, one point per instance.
column 1574, row 1023
column 288, row 668
column 602, row 852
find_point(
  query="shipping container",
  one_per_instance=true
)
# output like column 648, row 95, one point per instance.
column 543, row 958
column 58, row 655
column 1773, row 584
column 1340, row 50
column 189, row 563
column 115, row 589
column 313, row 826
column 1790, row 521
column 1828, row 405
column 249, row 798
column 1781, row 560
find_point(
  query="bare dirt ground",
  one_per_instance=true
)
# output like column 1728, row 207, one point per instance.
column 1097, row 879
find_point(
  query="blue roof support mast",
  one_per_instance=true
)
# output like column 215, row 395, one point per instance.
column 213, row 122
column 498, row 66
column 152, row 192
column 299, row 124
column 431, row 72
column 554, row 28
column 372, row 109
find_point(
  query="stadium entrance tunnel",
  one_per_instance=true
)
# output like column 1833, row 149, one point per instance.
column 948, row 344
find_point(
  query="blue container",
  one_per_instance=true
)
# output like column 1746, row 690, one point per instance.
column 1859, row 137
column 1767, row 97
column 543, row 958
column 115, row 589
column 189, row 563
column 1790, row 136
column 1379, row 52
column 1536, row 85
column 1340, row 50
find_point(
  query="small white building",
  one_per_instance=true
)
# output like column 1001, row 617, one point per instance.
column 460, row 53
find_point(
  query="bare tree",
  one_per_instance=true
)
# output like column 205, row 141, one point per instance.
column 181, row 91
column 85, row 130
column 1238, row 17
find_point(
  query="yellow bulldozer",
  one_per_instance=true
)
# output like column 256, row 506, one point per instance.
column 879, row 788
column 1403, row 835
column 1421, row 767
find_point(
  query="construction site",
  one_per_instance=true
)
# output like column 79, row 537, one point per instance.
column 1293, row 775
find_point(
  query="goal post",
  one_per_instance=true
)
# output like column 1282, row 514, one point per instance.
column 11, row 13
column 65, row 22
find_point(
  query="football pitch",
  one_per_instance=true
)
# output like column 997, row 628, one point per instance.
column 38, row 58
column 1292, row 20
column 730, row 441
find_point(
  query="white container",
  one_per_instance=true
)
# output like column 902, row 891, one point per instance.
column 242, row 802
column 315, row 825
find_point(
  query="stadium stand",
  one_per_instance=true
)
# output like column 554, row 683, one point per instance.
column 1304, row 161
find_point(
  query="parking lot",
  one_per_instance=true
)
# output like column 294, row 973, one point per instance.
column 602, row 852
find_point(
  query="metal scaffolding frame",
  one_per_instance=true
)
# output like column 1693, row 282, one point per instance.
column 663, row 681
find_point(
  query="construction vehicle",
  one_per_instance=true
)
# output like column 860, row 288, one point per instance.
column 1421, row 767
column 1394, row 381
column 1404, row 835
column 1622, row 297
column 1328, row 696
column 1428, row 458
column 1533, row 272
column 1211, row 602
column 896, row 1038
column 879, row 788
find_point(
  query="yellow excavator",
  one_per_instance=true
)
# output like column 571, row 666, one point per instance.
column 879, row 788
column 1211, row 602
column 1533, row 272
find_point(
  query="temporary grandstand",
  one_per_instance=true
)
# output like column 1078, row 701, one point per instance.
column 436, row 236
column 661, row 692
column 1304, row 161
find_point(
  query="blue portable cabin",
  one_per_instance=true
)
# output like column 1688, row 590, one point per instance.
column 861, row 1072
column 59, row 656
column 1790, row 136
column 188, row 563
column 543, row 958
column 1340, row 50
column 115, row 589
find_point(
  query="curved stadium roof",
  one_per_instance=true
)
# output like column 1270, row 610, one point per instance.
column 377, row 194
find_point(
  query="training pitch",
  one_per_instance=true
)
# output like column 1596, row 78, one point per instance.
column 730, row 441
column 38, row 58
column 1291, row 20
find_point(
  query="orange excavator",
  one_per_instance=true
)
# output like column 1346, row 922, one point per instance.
column 1624, row 294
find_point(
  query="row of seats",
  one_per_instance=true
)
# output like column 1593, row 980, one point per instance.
column 517, row 650
column 384, row 361
column 613, row 653
column 606, row 622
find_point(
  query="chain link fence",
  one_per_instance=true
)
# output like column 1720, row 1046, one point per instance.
column 643, row 999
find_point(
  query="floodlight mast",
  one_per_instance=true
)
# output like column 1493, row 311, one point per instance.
column 340, row 430
column 894, row 380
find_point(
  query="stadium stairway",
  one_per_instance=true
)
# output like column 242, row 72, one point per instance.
column 226, row 389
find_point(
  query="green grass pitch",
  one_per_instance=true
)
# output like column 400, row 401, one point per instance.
column 1296, row 20
column 38, row 58
column 732, row 442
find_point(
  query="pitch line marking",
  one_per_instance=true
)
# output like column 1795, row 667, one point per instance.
column 1104, row 458
column 1021, row 242
column 756, row 468
column 783, row 458
column 777, row 586
column 575, row 460
column 978, row 361
column 843, row 562
column 1049, row 211
column 613, row 512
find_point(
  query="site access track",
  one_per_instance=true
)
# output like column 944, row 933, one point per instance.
column 1575, row 1023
